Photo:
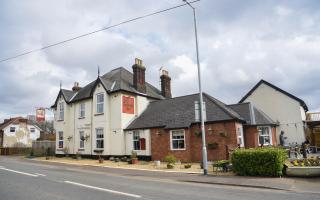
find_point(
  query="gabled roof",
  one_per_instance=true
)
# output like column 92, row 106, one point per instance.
column 17, row 120
column 179, row 112
column 251, row 114
column 116, row 80
column 66, row 94
column 302, row 103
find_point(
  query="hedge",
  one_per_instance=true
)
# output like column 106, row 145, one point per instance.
column 259, row 161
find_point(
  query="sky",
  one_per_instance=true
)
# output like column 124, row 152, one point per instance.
column 240, row 43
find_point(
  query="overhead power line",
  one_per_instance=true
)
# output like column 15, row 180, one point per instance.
column 93, row 32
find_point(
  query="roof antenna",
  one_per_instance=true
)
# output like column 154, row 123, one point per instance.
column 60, row 84
column 98, row 70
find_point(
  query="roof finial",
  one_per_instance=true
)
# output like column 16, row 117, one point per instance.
column 98, row 70
column 60, row 84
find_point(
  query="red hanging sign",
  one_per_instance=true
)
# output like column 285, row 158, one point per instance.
column 40, row 115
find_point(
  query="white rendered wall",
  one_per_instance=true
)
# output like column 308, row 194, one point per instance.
column 282, row 109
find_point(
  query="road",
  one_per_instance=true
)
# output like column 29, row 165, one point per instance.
column 24, row 180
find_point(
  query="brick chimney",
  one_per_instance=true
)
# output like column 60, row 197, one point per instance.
column 139, row 82
column 165, row 84
column 76, row 87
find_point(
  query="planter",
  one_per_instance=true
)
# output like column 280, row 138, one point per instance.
column 303, row 171
column 134, row 161
column 101, row 160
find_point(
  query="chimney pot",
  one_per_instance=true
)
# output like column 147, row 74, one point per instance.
column 76, row 87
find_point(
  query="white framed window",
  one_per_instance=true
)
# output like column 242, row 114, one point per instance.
column 100, row 103
column 61, row 111
column 82, row 110
column 32, row 130
column 99, row 138
column 136, row 140
column 265, row 137
column 240, row 136
column 81, row 136
column 60, row 139
column 12, row 129
column 177, row 138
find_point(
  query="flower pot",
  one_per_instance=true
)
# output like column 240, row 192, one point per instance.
column 101, row 160
column 134, row 161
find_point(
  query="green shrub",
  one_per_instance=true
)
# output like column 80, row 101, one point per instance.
column 170, row 159
column 259, row 161
column 220, row 163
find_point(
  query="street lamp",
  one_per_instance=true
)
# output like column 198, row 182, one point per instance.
column 204, row 148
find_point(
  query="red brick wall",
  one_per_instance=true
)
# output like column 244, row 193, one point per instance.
column 251, row 136
column 223, row 133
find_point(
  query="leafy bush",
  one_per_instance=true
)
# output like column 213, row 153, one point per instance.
column 170, row 159
column 259, row 161
column 187, row 166
column 220, row 163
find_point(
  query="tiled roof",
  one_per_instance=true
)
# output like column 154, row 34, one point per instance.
column 16, row 120
column 179, row 112
column 251, row 114
column 118, row 79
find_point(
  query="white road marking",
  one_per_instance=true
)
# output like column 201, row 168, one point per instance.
column 103, row 189
column 19, row 172
column 40, row 174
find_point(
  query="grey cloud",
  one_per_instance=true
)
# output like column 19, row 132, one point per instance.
column 240, row 43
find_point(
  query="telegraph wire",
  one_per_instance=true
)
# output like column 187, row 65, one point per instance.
column 96, row 31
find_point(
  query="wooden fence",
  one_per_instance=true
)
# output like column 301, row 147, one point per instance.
column 39, row 148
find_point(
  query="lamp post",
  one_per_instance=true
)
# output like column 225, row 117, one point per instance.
column 204, row 148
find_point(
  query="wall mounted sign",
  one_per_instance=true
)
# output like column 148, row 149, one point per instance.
column 128, row 105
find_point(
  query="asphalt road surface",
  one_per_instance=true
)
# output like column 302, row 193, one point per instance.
column 25, row 180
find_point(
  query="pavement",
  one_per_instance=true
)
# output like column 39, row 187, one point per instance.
column 26, row 179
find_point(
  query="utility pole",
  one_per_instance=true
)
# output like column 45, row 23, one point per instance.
column 204, row 146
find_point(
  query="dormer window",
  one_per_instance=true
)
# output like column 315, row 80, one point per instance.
column 82, row 111
column 61, row 111
column 100, row 103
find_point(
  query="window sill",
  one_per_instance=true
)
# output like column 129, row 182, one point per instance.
column 81, row 117
column 97, row 114
column 177, row 149
column 60, row 120
column 82, row 149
